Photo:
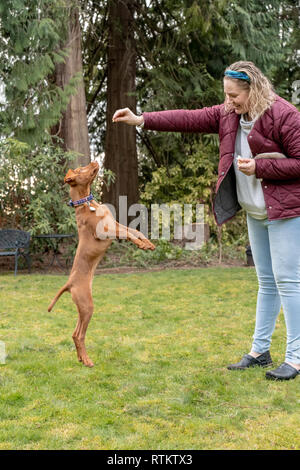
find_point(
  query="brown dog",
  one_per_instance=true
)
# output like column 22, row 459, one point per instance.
column 96, row 230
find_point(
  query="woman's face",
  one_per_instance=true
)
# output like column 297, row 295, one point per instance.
column 235, row 96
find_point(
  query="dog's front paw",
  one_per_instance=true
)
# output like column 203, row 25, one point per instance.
column 150, row 246
column 146, row 245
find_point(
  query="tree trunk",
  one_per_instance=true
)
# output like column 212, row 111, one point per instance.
column 73, row 128
column 120, row 140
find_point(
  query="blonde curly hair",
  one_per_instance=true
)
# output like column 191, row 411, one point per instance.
column 261, row 93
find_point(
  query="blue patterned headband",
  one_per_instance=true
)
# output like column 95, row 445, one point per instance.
column 239, row 75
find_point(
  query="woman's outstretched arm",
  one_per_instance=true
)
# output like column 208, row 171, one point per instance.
column 180, row 120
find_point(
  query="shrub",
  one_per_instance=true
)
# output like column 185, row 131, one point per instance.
column 194, row 183
column 33, row 196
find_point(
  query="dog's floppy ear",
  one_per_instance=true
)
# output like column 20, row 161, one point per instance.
column 70, row 176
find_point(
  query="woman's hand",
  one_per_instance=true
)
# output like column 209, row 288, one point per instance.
column 246, row 166
column 127, row 116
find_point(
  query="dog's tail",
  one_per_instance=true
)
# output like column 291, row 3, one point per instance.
column 59, row 293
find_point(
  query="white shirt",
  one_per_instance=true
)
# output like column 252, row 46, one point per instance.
column 249, row 191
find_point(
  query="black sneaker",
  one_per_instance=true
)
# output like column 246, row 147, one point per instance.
column 264, row 360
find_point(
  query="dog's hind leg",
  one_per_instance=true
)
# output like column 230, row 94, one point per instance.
column 84, row 303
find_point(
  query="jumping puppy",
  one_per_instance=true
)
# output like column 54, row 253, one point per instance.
column 96, row 230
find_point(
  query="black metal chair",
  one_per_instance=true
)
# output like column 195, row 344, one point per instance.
column 15, row 243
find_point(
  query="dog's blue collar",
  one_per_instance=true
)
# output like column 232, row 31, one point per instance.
column 80, row 201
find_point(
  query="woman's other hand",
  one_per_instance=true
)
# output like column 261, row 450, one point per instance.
column 127, row 116
column 246, row 166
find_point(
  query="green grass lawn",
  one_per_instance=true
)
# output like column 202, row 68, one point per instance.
column 160, row 342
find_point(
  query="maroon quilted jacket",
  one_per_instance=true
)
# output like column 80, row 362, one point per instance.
column 277, row 130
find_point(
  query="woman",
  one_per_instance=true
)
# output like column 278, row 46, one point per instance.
column 259, row 171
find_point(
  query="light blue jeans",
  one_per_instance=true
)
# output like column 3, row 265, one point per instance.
column 275, row 247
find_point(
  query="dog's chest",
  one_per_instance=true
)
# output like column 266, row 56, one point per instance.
column 106, row 225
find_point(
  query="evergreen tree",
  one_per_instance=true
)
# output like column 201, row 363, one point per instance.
column 72, row 128
column 120, row 141
column 31, row 32
column 95, row 39
column 286, row 72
